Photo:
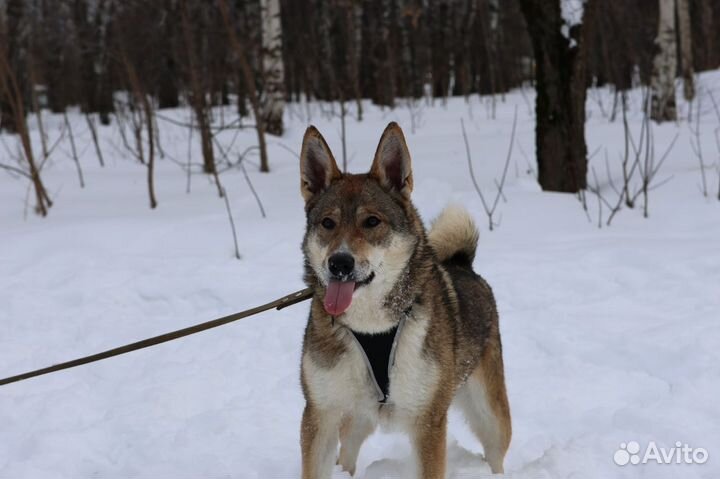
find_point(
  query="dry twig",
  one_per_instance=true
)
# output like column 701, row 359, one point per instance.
column 490, row 210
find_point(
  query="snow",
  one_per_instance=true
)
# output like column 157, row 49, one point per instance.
column 572, row 11
column 610, row 335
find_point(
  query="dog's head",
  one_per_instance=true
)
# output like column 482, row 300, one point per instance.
column 361, row 229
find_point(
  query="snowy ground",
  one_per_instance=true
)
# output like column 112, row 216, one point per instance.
column 610, row 335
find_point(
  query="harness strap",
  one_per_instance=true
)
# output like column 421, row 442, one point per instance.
column 378, row 351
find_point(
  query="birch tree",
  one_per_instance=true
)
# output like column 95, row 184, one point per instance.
column 272, row 64
column 686, row 56
column 662, row 82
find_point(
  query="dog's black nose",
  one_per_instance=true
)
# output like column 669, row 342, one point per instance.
column 341, row 264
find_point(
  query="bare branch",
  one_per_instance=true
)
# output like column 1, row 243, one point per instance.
column 696, row 144
column 490, row 211
column 74, row 150
column 717, row 139
column 252, row 189
column 15, row 170
column 600, row 198
column 93, row 133
column 287, row 148
column 232, row 222
column 507, row 160
column 472, row 174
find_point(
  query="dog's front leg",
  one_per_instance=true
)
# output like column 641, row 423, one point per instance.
column 353, row 432
column 318, row 441
column 429, row 438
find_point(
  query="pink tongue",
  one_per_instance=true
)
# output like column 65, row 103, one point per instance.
column 338, row 296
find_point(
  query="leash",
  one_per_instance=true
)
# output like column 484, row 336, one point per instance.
column 278, row 304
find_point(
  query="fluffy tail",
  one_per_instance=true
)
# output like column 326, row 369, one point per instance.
column 453, row 234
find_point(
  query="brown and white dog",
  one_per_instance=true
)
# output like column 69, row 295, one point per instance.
column 400, row 326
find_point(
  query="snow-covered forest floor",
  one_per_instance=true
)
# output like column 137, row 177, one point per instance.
column 610, row 335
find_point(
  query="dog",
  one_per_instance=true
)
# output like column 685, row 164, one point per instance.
column 400, row 327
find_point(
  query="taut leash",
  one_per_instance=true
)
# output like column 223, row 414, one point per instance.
column 278, row 304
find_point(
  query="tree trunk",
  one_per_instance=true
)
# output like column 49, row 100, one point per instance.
column 198, row 98
column 10, row 90
column 88, row 46
column 686, row 56
column 384, row 57
column 441, row 28
column 167, row 88
column 326, row 87
column 354, row 24
column 248, row 77
column 561, row 82
column 662, row 81
column 494, row 14
column 105, row 63
column 10, row 37
column 272, row 64
column 142, row 102
column 168, row 93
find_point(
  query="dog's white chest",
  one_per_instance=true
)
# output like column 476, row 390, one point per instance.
column 344, row 385
column 413, row 376
column 351, row 386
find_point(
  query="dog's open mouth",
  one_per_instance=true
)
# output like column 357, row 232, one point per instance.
column 338, row 295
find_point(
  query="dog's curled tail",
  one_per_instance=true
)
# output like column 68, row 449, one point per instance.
column 453, row 235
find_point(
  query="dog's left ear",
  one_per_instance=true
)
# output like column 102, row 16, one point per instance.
column 391, row 166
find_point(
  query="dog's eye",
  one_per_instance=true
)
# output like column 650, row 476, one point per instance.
column 328, row 223
column 372, row 221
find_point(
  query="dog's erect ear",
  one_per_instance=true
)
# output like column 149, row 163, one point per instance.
column 317, row 165
column 391, row 166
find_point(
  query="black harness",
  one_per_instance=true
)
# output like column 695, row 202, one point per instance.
column 379, row 354
column 377, row 349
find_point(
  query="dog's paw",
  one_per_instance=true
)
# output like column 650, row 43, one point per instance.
column 346, row 463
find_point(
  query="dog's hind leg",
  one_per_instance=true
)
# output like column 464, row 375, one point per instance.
column 353, row 432
column 318, row 441
column 483, row 400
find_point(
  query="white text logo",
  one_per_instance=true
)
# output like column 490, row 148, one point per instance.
column 630, row 453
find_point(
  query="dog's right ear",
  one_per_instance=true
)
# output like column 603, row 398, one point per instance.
column 317, row 165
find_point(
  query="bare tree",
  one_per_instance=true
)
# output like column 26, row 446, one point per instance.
column 696, row 143
column 627, row 173
column 198, row 95
column 717, row 139
column 614, row 209
column 644, row 163
column 11, row 93
column 649, row 167
column 490, row 209
column 73, row 149
column 664, row 65
column 686, row 55
column 36, row 107
column 561, row 81
column 273, row 101
column 12, row 18
column 353, row 20
column 143, row 103
column 93, row 132
column 232, row 224
column 249, row 79
column 343, row 135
